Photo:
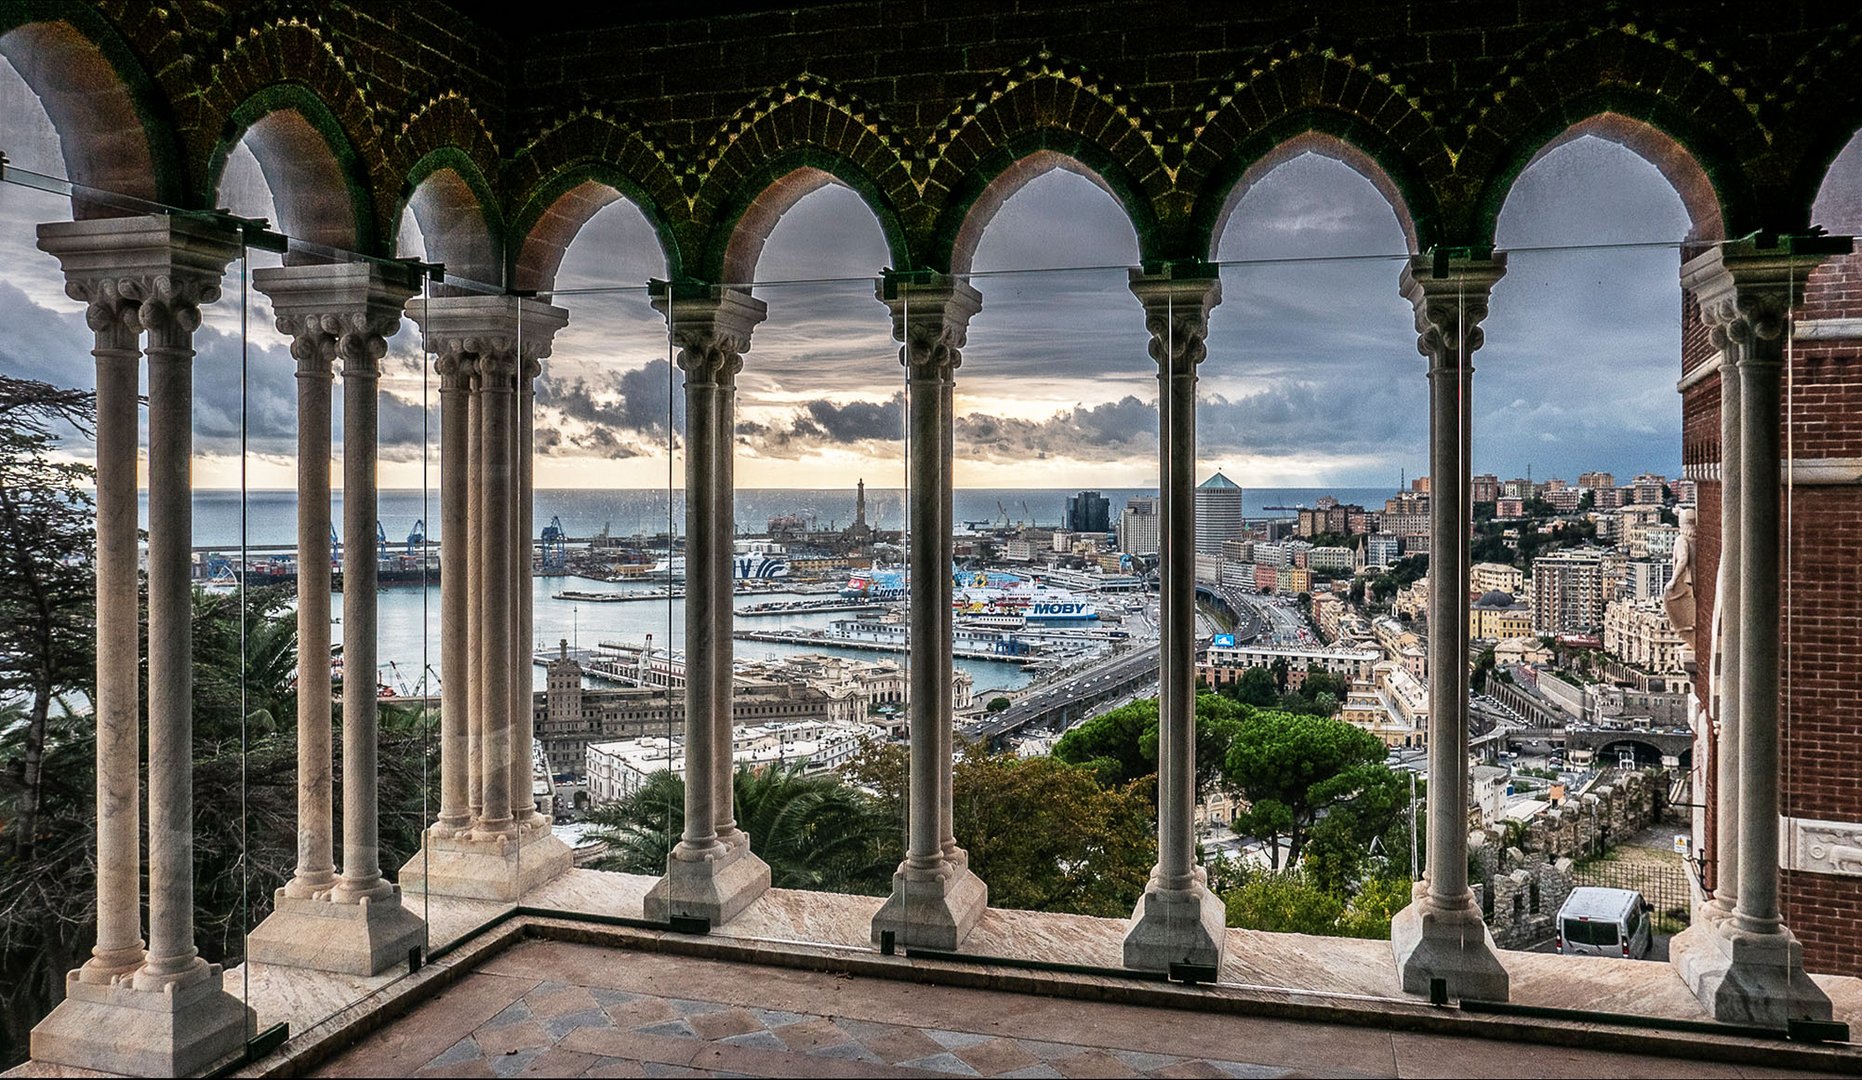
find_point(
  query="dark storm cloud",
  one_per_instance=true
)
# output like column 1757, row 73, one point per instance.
column 613, row 414
column 819, row 424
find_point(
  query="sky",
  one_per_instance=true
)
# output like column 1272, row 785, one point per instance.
column 1312, row 376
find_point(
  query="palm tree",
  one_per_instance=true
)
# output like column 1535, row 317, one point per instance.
column 815, row 831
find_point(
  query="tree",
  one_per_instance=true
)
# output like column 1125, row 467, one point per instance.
column 1121, row 746
column 815, row 831
column 1045, row 835
column 1292, row 768
column 1255, row 687
column 47, row 604
column 998, row 704
column 1283, row 903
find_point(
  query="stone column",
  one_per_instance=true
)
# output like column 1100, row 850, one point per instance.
column 1441, row 934
column 936, row 900
column 169, row 1015
column 1177, row 920
column 1747, row 967
column 712, row 873
column 499, row 848
column 455, row 597
column 1723, row 671
column 355, row 924
column 523, row 711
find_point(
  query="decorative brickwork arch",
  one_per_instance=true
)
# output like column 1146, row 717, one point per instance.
column 790, row 141
column 112, row 133
column 1043, row 115
column 441, row 120
column 305, row 158
column 573, row 168
column 1303, row 98
column 1657, row 95
column 457, row 215
column 1822, row 99
column 291, row 64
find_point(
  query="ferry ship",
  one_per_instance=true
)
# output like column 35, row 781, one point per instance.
column 878, row 585
column 1033, row 602
column 755, row 567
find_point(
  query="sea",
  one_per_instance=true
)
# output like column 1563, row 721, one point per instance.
column 407, row 633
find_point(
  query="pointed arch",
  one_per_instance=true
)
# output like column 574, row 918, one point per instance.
column 570, row 170
column 457, row 216
column 1307, row 98
column 1625, row 83
column 1042, row 115
column 114, row 132
column 745, row 223
column 290, row 65
column 304, row 154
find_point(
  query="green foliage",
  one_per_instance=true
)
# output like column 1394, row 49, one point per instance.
column 1255, row 687
column 815, row 831
column 998, row 704
column 1045, row 835
column 1405, row 571
column 1293, row 767
column 1121, row 746
column 1290, row 902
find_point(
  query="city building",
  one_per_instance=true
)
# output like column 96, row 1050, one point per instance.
column 1139, row 525
column 1382, row 549
column 1218, row 514
column 1223, row 664
column 1568, row 592
column 1484, row 488
column 1590, row 481
column 1637, row 631
column 1335, row 559
column 1087, row 512
column 1485, row 577
column 1646, row 579
column 617, row 769
column 1497, row 615
column 1391, row 704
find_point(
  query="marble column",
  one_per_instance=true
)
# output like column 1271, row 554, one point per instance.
column 1747, row 967
column 523, row 643
column 455, row 592
column 711, row 874
column 1178, row 921
column 354, row 923
column 936, row 900
column 491, row 844
column 1724, row 669
column 168, row 1014
column 1441, row 934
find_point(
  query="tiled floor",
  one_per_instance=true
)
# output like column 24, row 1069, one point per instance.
column 547, row 1008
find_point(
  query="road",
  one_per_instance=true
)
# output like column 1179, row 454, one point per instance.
column 1102, row 680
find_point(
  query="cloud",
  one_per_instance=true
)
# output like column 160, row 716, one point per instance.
column 632, row 413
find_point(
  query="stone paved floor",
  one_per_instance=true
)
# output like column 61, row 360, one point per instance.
column 544, row 1008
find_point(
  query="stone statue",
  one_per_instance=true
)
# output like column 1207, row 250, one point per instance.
column 1678, row 598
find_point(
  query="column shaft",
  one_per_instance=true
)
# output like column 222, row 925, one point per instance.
column 1450, row 383
column 361, row 571
column 455, row 589
column 928, row 475
column 523, row 710
column 701, row 542
column 172, row 956
column 119, row 948
column 477, row 709
column 721, row 659
column 1729, row 587
column 498, row 394
column 1758, row 655
column 316, row 870
column 942, row 646
column 1176, row 720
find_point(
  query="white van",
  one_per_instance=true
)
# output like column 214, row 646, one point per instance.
column 1604, row 922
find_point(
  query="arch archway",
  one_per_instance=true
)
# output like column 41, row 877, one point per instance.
column 319, row 186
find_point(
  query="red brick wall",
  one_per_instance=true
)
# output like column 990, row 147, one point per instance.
column 1821, row 695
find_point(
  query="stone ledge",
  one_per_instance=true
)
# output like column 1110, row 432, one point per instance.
column 1341, row 980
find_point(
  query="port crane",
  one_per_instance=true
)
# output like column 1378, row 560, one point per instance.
column 416, row 536
column 336, row 550
column 381, row 542
column 555, row 546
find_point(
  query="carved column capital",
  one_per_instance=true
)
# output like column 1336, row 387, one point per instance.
column 145, row 273
column 345, row 311
column 1745, row 294
column 711, row 328
column 931, row 316
column 488, row 338
column 1177, row 304
column 1451, row 307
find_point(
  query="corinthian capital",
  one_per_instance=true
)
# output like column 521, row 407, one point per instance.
column 1450, row 297
column 485, row 336
column 711, row 327
column 931, row 316
column 337, row 310
column 144, row 273
column 1177, row 303
column 1745, row 294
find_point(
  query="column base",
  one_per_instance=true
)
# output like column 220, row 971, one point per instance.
column 1432, row 943
column 716, row 889
column 932, row 911
column 1745, row 978
column 504, row 868
column 1176, row 926
column 118, row 1029
column 366, row 938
